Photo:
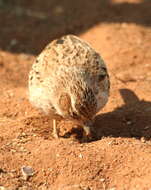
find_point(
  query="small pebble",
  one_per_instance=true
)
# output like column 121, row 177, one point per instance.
column 102, row 179
column 143, row 139
column 129, row 123
column 27, row 172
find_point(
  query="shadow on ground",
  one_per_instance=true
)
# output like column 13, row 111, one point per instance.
column 130, row 120
column 27, row 26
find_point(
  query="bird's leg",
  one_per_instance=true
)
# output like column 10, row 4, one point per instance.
column 55, row 131
column 87, row 135
column 87, row 132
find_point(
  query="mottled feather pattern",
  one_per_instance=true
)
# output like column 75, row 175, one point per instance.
column 88, row 106
column 70, row 77
column 65, row 104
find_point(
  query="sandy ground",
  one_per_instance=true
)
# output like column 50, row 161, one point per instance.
column 119, row 158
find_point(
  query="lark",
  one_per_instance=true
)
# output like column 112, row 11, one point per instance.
column 70, row 79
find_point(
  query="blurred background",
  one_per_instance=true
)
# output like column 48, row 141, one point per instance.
column 27, row 26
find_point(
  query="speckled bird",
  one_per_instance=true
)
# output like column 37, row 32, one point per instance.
column 69, row 78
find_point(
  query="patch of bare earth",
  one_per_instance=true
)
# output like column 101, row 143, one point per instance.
column 119, row 158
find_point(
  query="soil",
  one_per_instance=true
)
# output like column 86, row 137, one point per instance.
column 119, row 157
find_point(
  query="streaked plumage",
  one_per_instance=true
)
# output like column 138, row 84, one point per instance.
column 70, row 78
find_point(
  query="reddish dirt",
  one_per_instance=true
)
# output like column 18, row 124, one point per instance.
column 119, row 157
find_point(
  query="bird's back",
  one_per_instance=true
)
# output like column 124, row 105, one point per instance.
column 69, row 75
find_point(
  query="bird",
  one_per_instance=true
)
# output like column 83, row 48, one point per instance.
column 70, row 79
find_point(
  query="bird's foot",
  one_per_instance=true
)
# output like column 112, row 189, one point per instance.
column 55, row 131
